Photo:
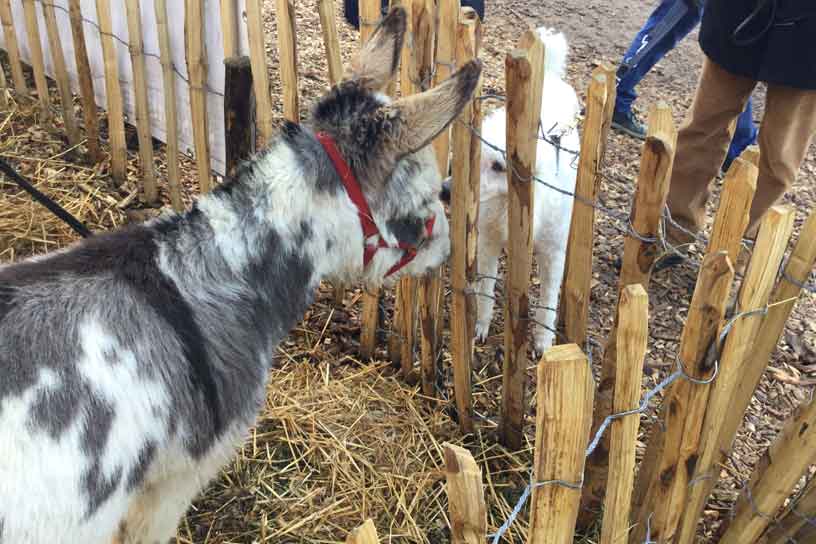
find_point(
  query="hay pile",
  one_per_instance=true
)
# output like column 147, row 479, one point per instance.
column 340, row 442
column 42, row 156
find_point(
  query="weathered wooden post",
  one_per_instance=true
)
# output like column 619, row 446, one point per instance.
column 788, row 458
column 564, row 414
column 239, row 114
column 739, row 373
column 260, row 75
column 578, row 268
column 797, row 516
column 639, row 253
column 13, row 48
column 287, row 51
column 632, row 332
column 464, row 207
column 370, row 315
column 37, row 59
column 325, row 10
column 61, row 73
column 116, row 112
column 524, row 87
column 149, row 190
column 664, row 471
column 169, row 87
column 466, row 502
column 86, row 90
column 197, row 69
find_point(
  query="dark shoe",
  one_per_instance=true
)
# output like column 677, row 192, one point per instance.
column 629, row 124
column 680, row 240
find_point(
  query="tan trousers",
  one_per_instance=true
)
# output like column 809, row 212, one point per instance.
column 702, row 144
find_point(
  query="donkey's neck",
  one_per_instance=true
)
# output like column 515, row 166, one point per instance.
column 260, row 244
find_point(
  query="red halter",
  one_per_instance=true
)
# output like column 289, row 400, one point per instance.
column 370, row 229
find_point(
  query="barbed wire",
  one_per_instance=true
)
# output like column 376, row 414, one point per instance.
column 127, row 44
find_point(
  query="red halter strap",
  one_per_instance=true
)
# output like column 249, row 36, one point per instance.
column 355, row 193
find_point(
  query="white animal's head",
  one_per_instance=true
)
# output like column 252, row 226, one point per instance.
column 385, row 143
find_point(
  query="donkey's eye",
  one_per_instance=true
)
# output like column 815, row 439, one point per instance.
column 497, row 166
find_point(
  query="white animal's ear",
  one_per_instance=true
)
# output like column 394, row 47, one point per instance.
column 376, row 64
column 417, row 119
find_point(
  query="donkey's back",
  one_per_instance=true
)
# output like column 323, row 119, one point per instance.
column 98, row 384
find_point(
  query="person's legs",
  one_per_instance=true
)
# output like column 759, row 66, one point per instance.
column 702, row 143
column 784, row 137
column 627, row 81
column 745, row 134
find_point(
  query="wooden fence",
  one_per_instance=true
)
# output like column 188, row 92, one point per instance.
column 585, row 435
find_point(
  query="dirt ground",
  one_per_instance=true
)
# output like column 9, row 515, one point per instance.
column 342, row 440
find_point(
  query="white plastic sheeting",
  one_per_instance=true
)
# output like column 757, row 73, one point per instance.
column 175, row 19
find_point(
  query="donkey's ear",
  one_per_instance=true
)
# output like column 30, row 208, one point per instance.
column 419, row 118
column 376, row 64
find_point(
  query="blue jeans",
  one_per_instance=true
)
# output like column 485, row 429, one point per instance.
column 746, row 131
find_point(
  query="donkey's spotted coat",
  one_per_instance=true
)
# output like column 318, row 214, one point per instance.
column 132, row 363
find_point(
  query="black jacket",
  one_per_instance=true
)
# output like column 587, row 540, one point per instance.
column 776, row 45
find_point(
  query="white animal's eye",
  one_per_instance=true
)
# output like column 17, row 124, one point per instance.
column 497, row 166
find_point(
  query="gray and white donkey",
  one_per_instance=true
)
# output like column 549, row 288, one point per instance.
column 133, row 363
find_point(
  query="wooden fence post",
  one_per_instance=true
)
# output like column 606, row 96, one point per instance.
column 735, row 204
column 369, row 12
column 113, row 93
column 797, row 271
column 430, row 295
column 229, row 27
column 417, row 62
column 169, row 88
column 793, row 450
column 664, row 474
column 794, row 519
column 86, row 89
column 632, row 332
column 431, row 291
column 197, row 69
column 462, row 231
column 150, row 193
column 466, row 502
column 239, row 116
column 729, row 226
column 448, row 17
column 738, row 376
column 61, row 73
column 325, row 9
column 364, row 534
column 331, row 42
column 610, row 73
column 639, row 255
column 13, row 48
column 287, row 52
column 260, row 73
column 524, row 69
column 37, row 59
column 578, row 269
column 564, row 414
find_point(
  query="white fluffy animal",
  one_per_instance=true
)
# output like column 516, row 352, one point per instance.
column 553, row 210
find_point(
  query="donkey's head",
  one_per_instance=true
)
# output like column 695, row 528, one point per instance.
column 384, row 142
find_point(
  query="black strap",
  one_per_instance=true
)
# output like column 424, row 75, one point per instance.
column 52, row 206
